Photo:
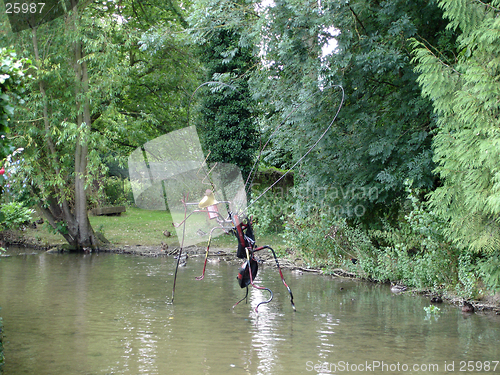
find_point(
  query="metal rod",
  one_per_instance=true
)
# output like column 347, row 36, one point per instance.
column 184, row 199
column 256, row 286
column 206, row 253
column 281, row 274
column 244, row 298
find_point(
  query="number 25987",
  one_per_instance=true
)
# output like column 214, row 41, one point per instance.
column 16, row 8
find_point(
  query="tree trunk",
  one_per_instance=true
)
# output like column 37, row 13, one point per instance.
column 55, row 210
column 76, row 228
column 84, row 234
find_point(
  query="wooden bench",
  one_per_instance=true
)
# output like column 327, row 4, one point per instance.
column 117, row 210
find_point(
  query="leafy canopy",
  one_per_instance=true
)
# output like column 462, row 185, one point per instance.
column 13, row 79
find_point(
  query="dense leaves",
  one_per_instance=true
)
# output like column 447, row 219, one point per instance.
column 226, row 119
column 12, row 81
column 383, row 134
column 465, row 93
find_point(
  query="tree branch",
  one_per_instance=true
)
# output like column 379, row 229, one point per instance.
column 115, row 140
column 357, row 19
column 488, row 5
column 383, row 82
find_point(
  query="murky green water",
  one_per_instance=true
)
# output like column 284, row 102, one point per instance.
column 108, row 314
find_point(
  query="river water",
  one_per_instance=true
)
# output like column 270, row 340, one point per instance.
column 109, row 314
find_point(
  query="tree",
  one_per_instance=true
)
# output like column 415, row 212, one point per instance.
column 92, row 70
column 66, row 209
column 383, row 134
column 465, row 93
column 227, row 119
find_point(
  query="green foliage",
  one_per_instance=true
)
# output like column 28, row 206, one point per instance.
column 490, row 271
column 117, row 191
column 271, row 211
column 60, row 227
column 207, row 17
column 465, row 94
column 383, row 133
column 14, row 215
column 415, row 251
column 467, row 275
column 325, row 241
column 227, row 126
column 12, row 91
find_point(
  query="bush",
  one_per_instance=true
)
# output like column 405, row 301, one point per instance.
column 490, row 271
column 326, row 241
column 14, row 214
column 415, row 251
column 113, row 191
column 271, row 211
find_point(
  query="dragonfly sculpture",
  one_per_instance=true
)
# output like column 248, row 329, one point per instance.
column 171, row 172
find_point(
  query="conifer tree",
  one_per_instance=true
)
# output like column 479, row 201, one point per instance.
column 465, row 92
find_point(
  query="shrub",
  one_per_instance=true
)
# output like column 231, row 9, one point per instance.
column 326, row 241
column 14, row 214
column 490, row 271
column 415, row 251
column 271, row 210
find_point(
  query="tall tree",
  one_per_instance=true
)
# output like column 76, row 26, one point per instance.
column 67, row 210
column 227, row 119
column 383, row 134
column 465, row 92
column 99, row 90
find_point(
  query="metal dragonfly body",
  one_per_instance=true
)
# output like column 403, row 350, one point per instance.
column 241, row 226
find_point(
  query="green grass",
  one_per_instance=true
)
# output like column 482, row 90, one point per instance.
column 135, row 227
column 41, row 235
column 141, row 227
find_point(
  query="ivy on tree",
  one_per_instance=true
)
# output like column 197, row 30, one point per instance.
column 227, row 120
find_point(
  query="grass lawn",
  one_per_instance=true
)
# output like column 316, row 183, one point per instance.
column 135, row 227
column 145, row 227
column 141, row 227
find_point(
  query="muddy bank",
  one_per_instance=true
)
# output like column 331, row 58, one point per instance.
column 17, row 238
